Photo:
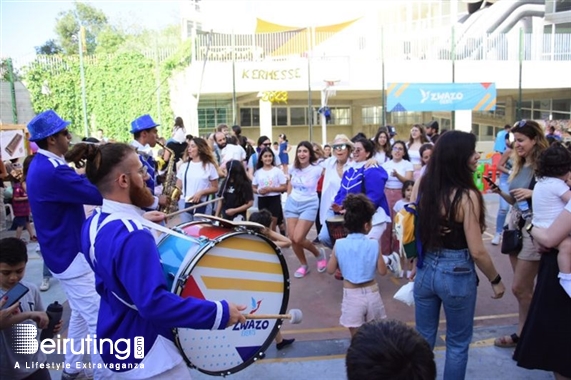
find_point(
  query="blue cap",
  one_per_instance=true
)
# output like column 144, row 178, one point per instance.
column 143, row 122
column 46, row 124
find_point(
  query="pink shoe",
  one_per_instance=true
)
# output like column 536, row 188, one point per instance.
column 301, row 272
column 321, row 261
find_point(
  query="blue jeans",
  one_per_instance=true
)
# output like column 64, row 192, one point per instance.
column 504, row 205
column 447, row 278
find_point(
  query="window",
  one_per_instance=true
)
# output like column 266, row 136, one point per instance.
column 340, row 116
column 279, row 116
column 298, row 116
column 372, row 115
column 562, row 105
column 250, row 117
column 209, row 118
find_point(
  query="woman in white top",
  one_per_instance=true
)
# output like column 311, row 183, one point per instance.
column 198, row 176
column 415, row 141
column 382, row 143
column 334, row 168
column 301, row 206
column 400, row 170
column 269, row 182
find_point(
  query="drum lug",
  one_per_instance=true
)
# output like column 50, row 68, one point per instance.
column 182, row 280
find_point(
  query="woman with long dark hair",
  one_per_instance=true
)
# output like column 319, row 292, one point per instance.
column 237, row 195
column 451, row 222
column 269, row 183
column 301, row 207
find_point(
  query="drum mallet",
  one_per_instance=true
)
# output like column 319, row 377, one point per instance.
column 295, row 316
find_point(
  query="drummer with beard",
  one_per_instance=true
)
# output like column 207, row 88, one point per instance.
column 135, row 300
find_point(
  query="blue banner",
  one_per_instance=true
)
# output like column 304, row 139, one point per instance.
column 441, row 97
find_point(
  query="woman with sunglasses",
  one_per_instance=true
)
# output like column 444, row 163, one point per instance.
column 400, row 170
column 529, row 143
column 334, row 167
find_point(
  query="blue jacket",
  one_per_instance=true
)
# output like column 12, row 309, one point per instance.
column 126, row 262
column 370, row 181
column 57, row 194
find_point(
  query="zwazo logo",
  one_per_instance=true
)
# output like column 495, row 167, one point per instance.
column 25, row 342
column 441, row 97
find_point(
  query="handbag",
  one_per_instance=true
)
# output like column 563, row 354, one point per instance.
column 512, row 241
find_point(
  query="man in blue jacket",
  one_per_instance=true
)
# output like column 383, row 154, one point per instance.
column 57, row 194
column 144, row 130
column 135, row 299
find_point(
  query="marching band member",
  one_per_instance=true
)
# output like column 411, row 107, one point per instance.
column 57, row 194
column 144, row 130
column 135, row 300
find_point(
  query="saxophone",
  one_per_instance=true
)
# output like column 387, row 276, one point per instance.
column 170, row 189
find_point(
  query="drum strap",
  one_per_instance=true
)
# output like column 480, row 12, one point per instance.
column 125, row 218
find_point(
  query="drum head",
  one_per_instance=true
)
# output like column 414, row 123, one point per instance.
column 244, row 268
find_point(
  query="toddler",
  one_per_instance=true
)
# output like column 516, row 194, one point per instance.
column 358, row 257
column 406, row 192
column 550, row 195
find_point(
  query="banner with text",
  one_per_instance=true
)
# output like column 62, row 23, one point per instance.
column 441, row 97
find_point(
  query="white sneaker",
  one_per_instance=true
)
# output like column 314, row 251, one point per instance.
column 496, row 239
column 45, row 284
column 394, row 264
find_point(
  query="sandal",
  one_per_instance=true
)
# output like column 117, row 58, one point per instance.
column 301, row 272
column 507, row 341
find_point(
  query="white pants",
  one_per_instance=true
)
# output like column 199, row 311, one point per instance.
column 84, row 303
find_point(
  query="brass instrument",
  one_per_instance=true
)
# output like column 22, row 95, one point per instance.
column 170, row 189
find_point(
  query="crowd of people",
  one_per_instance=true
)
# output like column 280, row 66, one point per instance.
column 350, row 189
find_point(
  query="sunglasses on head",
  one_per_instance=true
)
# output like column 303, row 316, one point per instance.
column 340, row 146
column 520, row 124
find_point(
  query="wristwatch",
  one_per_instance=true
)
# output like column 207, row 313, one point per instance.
column 496, row 280
column 529, row 228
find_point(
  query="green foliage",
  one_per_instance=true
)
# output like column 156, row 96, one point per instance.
column 50, row 47
column 68, row 22
column 119, row 88
column 109, row 40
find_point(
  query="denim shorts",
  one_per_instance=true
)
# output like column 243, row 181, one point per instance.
column 306, row 210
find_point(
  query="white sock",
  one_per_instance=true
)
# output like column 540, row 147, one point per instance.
column 565, row 281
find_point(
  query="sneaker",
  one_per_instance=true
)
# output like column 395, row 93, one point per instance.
column 284, row 343
column 81, row 375
column 38, row 249
column 45, row 284
column 321, row 261
column 496, row 239
column 394, row 264
column 301, row 272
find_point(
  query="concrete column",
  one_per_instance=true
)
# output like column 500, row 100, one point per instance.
column 463, row 121
column 510, row 110
column 265, row 118
column 356, row 119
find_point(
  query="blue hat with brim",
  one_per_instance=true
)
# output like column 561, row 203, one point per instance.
column 142, row 123
column 46, row 124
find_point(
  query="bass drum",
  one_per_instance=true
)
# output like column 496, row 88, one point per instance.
column 226, row 261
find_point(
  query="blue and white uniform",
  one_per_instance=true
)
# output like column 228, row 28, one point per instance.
column 57, row 194
column 135, row 300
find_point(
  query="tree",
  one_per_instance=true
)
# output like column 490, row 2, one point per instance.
column 68, row 23
column 109, row 40
column 50, row 47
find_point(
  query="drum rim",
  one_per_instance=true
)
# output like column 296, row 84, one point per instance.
column 177, row 289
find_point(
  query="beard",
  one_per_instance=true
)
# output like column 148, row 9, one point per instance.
column 222, row 145
column 141, row 196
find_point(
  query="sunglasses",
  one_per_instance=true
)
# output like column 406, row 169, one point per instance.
column 520, row 124
column 64, row 132
column 267, row 144
column 340, row 147
column 142, row 171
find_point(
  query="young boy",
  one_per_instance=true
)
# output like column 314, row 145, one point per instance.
column 13, row 259
column 358, row 258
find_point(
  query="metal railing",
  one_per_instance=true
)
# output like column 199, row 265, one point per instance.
column 432, row 44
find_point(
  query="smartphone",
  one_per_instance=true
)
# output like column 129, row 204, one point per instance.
column 490, row 182
column 14, row 295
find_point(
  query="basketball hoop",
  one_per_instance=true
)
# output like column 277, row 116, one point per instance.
column 329, row 89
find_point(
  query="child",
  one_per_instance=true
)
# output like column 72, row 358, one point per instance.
column 358, row 256
column 406, row 192
column 425, row 154
column 13, row 259
column 264, row 217
column 21, row 208
column 550, row 196
column 269, row 182
column 237, row 193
